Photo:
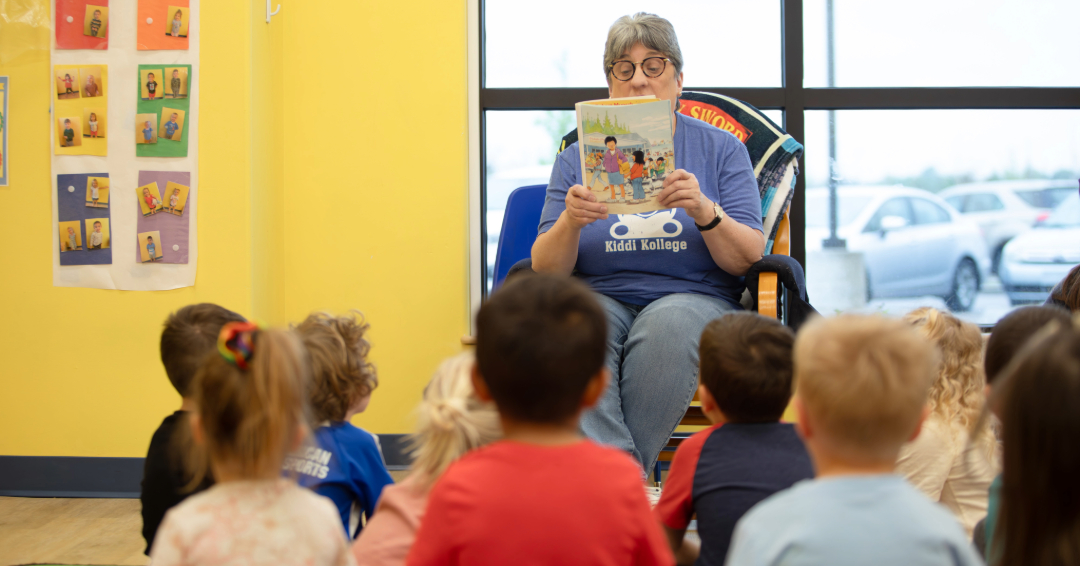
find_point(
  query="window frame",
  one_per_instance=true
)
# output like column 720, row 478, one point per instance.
column 792, row 98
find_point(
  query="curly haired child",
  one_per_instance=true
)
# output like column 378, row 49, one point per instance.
column 940, row 462
column 345, row 464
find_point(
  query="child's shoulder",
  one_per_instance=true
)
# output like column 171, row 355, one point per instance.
column 352, row 437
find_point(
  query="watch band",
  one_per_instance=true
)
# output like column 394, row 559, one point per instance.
column 715, row 222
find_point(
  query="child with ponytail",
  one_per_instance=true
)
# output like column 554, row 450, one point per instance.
column 452, row 420
column 250, row 411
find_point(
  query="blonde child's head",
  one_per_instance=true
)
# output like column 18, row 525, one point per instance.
column 957, row 393
column 250, row 399
column 452, row 420
column 862, row 385
column 342, row 377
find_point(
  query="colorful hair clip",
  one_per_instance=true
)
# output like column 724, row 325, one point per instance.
column 236, row 343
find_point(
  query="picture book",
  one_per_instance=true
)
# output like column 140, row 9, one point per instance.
column 626, row 150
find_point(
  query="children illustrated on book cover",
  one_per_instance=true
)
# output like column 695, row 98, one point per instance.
column 620, row 142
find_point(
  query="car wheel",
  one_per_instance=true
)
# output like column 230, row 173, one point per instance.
column 965, row 287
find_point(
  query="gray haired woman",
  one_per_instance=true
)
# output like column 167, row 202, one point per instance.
column 660, row 276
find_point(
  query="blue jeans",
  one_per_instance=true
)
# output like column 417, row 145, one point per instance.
column 653, row 359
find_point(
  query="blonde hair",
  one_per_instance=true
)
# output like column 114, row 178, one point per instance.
column 957, row 393
column 250, row 418
column 863, row 380
column 451, row 420
column 340, row 371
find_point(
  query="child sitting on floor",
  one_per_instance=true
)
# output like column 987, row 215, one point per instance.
column 451, row 421
column 345, row 464
column 861, row 389
column 189, row 335
column 250, row 412
column 543, row 495
column 942, row 462
column 748, row 454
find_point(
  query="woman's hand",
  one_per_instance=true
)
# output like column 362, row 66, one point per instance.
column 681, row 190
column 582, row 208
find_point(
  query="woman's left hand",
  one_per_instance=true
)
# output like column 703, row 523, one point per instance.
column 681, row 190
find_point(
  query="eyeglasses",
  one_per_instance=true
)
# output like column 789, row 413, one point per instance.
column 652, row 67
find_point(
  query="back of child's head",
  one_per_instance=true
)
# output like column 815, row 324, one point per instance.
column 539, row 341
column 1039, row 392
column 745, row 363
column 1012, row 331
column 341, row 375
column 251, row 400
column 1069, row 293
column 189, row 335
column 957, row 393
column 451, row 419
column 863, row 382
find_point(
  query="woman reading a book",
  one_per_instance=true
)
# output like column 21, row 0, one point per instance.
column 661, row 277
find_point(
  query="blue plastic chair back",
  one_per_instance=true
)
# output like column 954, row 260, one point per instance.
column 520, row 221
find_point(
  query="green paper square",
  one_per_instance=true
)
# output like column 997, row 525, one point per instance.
column 164, row 147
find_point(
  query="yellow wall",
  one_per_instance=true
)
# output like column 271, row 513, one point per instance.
column 392, row 243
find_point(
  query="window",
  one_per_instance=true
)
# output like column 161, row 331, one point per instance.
column 957, row 113
column 983, row 202
column 898, row 207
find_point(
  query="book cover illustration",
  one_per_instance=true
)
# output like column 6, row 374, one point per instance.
column 626, row 150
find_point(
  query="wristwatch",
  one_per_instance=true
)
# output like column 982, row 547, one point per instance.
column 716, row 221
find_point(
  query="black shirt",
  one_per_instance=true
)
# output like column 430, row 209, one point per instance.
column 164, row 477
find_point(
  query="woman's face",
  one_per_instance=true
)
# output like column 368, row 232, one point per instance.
column 668, row 86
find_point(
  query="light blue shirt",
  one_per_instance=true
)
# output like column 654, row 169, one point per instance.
column 851, row 520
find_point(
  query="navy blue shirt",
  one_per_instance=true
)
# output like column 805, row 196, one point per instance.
column 723, row 471
column 346, row 466
column 638, row 258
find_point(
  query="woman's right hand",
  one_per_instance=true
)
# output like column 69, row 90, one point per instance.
column 582, row 208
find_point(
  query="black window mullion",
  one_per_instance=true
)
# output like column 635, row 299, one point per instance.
column 791, row 15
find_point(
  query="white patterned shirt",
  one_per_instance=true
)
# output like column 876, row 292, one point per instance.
column 252, row 523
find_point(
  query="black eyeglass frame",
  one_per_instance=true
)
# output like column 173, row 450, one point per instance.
column 611, row 68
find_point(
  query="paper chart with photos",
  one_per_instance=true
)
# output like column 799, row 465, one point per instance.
column 107, row 234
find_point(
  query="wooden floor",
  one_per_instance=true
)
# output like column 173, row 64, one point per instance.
column 75, row 531
column 70, row 531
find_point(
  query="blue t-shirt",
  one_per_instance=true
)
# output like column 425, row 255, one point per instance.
column 851, row 520
column 170, row 128
column 346, row 466
column 721, row 472
column 148, row 134
column 638, row 258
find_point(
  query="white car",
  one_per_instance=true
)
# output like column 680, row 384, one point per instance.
column 1006, row 209
column 913, row 243
column 1033, row 262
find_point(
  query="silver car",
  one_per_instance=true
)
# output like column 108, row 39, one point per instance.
column 1006, row 209
column 1033, row 262
column 913, row 243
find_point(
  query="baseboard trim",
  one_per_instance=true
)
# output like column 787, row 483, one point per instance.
column 114, row 478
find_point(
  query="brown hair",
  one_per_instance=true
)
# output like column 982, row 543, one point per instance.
column 863, row 380
column 539, row 341
column 1012, row 331
column 250, row 418
column 1039, row 520
column 189, row 334
column 451, row 420
column 745, row 362
column 1070, row 290
column 341, row 374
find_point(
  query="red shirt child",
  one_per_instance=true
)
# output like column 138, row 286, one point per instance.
column 517, row 503
column 636, row 171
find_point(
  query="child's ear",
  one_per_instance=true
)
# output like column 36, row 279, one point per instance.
column 298, row 437
column 478, row 383
column 196, row 429
column 802, row 423
column 918, row 428
column 708, row 402
column 595, row 389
